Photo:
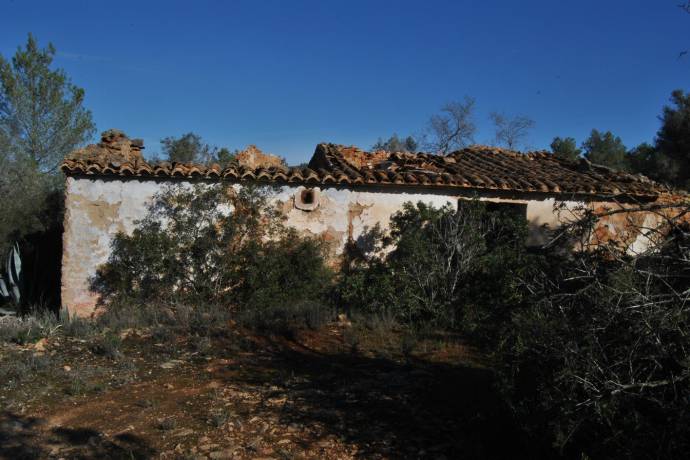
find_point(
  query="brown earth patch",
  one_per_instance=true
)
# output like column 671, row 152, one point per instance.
column 260, row 397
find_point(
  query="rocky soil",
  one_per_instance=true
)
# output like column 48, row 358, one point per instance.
column 241, row 396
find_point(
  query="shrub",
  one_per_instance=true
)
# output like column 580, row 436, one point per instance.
column 440, row 266
column 17, row 368
column 598, row 361
column 107, row 345
column 30, row 328
column 20, row 330
column 212, row 246
column 75, row 326
column 590, row 344
column 42, row 323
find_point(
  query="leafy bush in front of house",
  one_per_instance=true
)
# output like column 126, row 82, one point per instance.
column 450, row 268
column 213, row 244
column 598, row 361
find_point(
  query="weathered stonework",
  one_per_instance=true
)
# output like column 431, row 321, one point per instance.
column 252, row 157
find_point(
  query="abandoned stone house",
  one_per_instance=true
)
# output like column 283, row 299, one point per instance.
column 341, row 193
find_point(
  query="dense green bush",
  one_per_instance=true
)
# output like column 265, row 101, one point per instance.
column 451, row 268
column 214, row 245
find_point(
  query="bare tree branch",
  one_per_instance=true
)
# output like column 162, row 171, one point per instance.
column 511, row 131
column 452, row 129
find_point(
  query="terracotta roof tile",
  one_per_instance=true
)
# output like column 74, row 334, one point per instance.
column 476, row 167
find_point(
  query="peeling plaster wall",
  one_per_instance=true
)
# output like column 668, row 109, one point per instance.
column 344, row 213
column 96, row 209
column 631, row 231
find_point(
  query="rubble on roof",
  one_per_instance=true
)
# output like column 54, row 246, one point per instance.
column 114, row 147
column 253, row 158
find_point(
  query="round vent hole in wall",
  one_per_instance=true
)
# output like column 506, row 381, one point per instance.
column 307, row 199
column 307, row 196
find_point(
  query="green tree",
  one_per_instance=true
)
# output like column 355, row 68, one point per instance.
column 41, row 111
column 646, row 159
column 224, row 156
column 565, row 148
column 641, row 159
column 396, row 144
column 42, row 118
column 605, row 149
column 188, row 148
column 673, row 138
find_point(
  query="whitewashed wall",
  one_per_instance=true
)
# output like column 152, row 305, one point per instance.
column 97, row 209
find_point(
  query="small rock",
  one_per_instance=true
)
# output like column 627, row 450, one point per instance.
column 221, row 454
column 184, row 432
column 126, row 333
column 171, row 364
column 67, row 368
column 343, row 320
column 93, row 440
column 41, row 345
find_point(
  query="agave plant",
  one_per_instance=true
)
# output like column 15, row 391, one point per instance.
column 12, row 281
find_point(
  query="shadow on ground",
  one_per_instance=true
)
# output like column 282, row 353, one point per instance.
column 28, row 438
column 285, row 399
column 414, row 409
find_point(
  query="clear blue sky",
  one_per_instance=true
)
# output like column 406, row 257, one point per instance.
column 287, row 75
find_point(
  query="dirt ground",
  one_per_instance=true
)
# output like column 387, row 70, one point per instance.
column 316, row 395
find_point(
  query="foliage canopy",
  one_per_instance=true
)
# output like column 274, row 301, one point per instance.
column 42, row 118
